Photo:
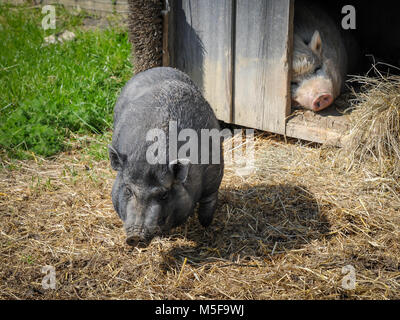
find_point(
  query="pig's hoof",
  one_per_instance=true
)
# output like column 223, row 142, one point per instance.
column 207, row 208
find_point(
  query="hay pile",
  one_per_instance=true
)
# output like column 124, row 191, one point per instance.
column 145, row 33
column 285, row 231
column 375, row 125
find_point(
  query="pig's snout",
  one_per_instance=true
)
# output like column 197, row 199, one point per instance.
column 137, row 241
column 136, row 237
column 321, row 102
column 315, row 94
column 132, row 241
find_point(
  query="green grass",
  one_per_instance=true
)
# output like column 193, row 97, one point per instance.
column 49, row 91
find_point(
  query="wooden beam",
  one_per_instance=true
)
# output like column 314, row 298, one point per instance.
column 165, row 14
column 262, row 63
column 200, row 44
column 328, row 126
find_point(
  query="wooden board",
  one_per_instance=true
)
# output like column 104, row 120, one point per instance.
column 262, row 60
column 122, row 7
column 200, row 44
column 329, row 126
column 101, row 7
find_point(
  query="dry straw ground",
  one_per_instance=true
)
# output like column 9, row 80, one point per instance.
column 283, row 232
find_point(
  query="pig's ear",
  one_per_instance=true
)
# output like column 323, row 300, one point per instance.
column 115, row 158
column 316, row 43
column 180, row 169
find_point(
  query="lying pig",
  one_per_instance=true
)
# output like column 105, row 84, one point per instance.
column 151, row 198
column 319, row 63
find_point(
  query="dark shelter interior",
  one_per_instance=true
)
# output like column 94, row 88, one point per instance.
column 376, row 33
column 373, row 47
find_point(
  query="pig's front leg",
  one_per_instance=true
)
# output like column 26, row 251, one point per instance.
column 207, row 208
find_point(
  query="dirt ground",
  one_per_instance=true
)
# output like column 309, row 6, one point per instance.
column 283, row 232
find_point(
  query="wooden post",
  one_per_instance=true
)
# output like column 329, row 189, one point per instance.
column 262, row 63
column 200, row 44
column 165, row 14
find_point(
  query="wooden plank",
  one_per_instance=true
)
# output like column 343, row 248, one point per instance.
column 14, row 2
column 69, row 3
column 122, row 7
column 328, row 126
column 262, row 62
column 102, row 7
column 96, row 6
column 165, row 14
column 200, row 42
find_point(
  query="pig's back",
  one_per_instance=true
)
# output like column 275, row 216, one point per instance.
column 309, row 17
column 140, row 84
column 142, row 108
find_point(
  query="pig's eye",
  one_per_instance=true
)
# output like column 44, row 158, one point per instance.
column 128, row 192
column 164, row 196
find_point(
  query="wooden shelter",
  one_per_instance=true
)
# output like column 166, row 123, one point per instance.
column 239, row 53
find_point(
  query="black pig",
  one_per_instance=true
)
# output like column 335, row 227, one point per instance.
column 153, row 197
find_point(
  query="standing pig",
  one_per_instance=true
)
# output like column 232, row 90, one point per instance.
column 319, row 63
column 152, row 198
